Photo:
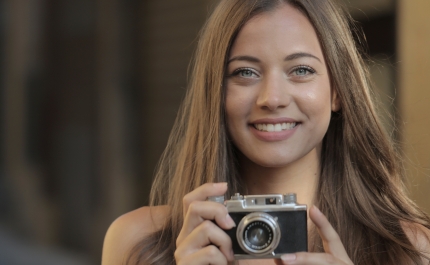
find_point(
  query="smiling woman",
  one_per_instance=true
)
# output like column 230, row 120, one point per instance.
column 277, row 76
column 278, row 102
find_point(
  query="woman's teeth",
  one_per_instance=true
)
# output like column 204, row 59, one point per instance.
column 275, row 127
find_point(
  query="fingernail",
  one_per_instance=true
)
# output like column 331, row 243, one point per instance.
column 316, row 208
column 288, row 257
column 229, row 221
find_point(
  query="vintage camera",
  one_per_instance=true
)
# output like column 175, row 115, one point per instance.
column 267, row 226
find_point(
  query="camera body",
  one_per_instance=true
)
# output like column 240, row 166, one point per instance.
column 267, row 226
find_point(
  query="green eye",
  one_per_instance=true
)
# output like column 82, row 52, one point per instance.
column 302, row 71
column 246, row 73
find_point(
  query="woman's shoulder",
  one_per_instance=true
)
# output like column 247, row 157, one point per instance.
column 129, row 229
column 419, row 236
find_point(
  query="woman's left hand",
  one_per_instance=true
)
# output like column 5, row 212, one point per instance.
column 334, row 250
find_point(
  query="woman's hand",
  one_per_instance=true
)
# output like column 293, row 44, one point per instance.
column 201, row 241
column 334, row 250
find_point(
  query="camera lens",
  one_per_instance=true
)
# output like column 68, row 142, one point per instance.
column 258, row 233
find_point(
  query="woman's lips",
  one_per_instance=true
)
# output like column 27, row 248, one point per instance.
column 274, row 131
column 277, row 127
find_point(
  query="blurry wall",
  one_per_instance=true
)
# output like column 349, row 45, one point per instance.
column 90, row 90
column 414, row 95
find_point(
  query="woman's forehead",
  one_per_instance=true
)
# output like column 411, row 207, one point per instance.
column 285, row 29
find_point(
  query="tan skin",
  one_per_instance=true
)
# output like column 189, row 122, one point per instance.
column 276, row 74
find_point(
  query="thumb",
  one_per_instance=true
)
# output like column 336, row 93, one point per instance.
column 278, row 262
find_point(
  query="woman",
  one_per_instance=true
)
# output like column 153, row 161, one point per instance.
column 279, row 102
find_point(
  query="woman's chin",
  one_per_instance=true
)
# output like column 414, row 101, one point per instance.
column 272, row 162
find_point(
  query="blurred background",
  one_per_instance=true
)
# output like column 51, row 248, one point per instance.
column 89, row 92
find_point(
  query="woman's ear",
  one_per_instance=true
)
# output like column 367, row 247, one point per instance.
column 335, row 101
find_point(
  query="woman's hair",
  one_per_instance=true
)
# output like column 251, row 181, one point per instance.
column 360, row 188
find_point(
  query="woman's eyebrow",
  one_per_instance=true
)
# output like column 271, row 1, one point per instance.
column 244, row 58
column 300, row 55
column 290, row 57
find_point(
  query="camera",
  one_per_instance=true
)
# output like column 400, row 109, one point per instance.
column 267, row 226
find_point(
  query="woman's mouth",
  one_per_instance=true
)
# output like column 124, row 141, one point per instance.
column 277, row 127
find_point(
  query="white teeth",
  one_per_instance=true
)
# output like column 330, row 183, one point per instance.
column 275, row 127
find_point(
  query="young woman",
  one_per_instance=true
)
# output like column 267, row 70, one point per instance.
column 279, row 101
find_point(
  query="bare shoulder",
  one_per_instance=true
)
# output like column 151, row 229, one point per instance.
column 127, row 230
column 419, row 236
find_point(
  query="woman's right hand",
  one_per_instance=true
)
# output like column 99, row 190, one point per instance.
column 201, row 241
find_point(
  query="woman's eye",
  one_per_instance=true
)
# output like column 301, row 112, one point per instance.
column 303, row 71
column 246, row 73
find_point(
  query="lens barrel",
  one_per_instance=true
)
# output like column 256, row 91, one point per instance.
column 258, row 233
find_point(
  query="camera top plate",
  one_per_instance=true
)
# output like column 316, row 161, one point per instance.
column 264, row 203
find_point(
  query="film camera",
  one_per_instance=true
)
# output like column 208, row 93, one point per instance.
column 267, row 226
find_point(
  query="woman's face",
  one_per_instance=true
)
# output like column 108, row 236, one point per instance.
column 279, row 98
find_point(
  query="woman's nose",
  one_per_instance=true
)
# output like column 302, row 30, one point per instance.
column 273, row 93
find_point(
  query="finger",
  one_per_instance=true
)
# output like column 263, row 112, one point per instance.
column 307, row 258
column 331, row 241
column 203, row 192
column 207, row 233
column 208, row 255
column 278, row 261
column 199, row 211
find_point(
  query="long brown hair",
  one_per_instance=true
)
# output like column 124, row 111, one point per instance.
column 361, row 180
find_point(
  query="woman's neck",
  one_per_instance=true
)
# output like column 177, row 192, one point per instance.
column 300, row 177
